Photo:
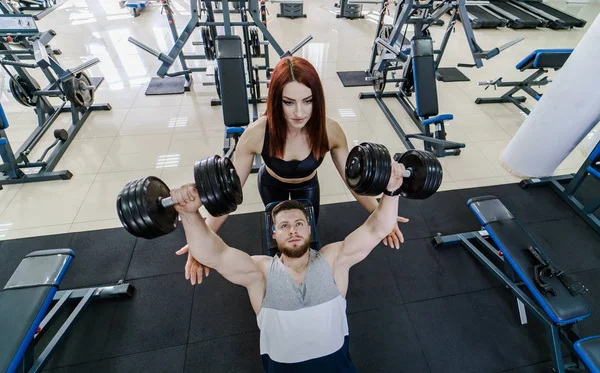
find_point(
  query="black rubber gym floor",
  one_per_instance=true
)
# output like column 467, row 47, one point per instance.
column 413, row 310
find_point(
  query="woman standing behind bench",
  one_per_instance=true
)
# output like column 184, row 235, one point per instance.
column 293, row 137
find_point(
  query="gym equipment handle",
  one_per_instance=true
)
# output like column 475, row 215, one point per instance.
column 300, row 45
column 511, row 43
column 143, row 46
column 20, row 64
column 401, row 56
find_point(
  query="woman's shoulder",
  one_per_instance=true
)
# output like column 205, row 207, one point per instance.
column 255, row 133
column 335, row 133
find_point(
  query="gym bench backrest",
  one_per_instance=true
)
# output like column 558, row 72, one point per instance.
column 545, row 59
column 232, row 78
column 424, row 76
column 25, row 300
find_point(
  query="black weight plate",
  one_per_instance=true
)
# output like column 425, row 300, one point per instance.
column 432, row 175
column 142, row 208
column 220, row 206
column 233, row 180
column 386, row 165
column 360, row 164
column 126, row 210
column 375, row 186
column 436, row 181
column 133, row 210
column 354, row 168
column 198, row 170
column 223, row 186
column 369, row 169
column 120, row 211
column 24, row 98
column 137, row 209
column 164, row 219
column 231, row 184
column 429, row 178
column 208, row 198
column 383, row 168
column 413, row 185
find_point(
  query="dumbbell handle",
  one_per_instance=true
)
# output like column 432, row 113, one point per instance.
column 407, row 172
column 166, row 202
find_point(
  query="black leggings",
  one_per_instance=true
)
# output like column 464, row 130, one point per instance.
column 272, row 190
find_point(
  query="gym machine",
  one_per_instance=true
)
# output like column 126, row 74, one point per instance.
column 229, row 50
column 551, row 295
column 481, row 16
column 290, row 8
column 26, row 315
column 73, row 86
column 44, row 7
column 352, row 9
column 391, row 51
column 539, row 60
column 566, row 186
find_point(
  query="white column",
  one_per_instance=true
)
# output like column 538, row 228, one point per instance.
column 566, row 113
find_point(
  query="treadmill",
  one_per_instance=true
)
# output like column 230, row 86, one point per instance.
column 517, row 17
column 482, row 17
column 557, row 19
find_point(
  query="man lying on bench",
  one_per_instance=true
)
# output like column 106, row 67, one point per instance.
column 557, row 299
column 24, row 305
column 540, row 60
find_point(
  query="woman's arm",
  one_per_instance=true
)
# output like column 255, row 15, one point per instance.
column 247, row 147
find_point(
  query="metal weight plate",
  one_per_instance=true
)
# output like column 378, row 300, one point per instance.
column 426, row 177
column 163, row 220
column 24, row 98
column 126, row 211
column 379, row 81
column 76, row 90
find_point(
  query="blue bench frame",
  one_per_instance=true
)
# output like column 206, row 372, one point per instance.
column 541, row 60
column 567, row 185
column 490, row 253
column 40, row 273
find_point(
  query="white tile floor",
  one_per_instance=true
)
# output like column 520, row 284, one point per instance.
column 163, row 135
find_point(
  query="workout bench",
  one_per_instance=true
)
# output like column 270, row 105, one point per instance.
column 539, row 60
column 557, row 300
column 25, row 303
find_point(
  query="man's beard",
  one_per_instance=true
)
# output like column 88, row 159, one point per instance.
column 294, row 252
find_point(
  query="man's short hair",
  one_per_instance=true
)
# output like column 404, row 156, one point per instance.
column 291, row 204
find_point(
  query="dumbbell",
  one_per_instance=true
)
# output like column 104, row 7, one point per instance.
column 369, row 168
column 146, row 210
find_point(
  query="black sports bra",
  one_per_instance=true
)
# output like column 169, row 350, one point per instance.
column 289, row 169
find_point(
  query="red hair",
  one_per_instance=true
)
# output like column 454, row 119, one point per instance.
column 296, row 69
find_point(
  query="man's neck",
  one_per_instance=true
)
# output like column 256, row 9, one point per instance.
column 296, row 264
